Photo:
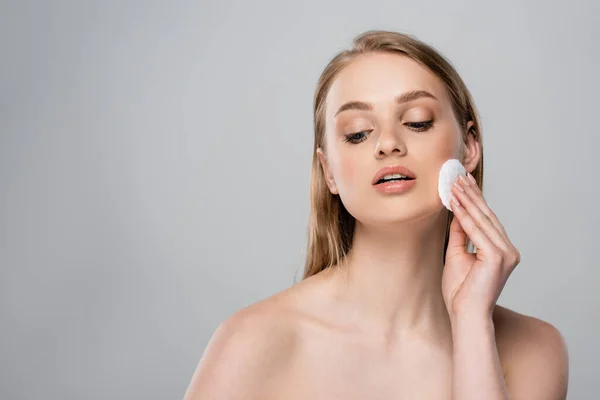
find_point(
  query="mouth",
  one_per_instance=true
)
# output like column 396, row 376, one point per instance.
column 393, row 173
column 393, row 178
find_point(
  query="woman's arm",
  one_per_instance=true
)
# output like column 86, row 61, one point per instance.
column 242, row 357
column 537, row 361
column 477, row 372
column 533, row 351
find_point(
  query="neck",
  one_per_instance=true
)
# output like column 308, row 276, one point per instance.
column 391, row 280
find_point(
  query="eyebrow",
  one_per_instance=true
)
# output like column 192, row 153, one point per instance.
column 403, row 98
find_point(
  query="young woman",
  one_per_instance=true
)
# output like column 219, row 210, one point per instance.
column 393, row 305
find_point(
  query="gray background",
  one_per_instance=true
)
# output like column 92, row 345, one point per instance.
column 155, row 158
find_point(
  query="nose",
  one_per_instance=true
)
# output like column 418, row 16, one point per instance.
column 389, row 143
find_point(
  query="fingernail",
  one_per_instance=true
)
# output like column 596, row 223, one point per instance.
column 472, row 179
column 465, row 180
column 459, row 186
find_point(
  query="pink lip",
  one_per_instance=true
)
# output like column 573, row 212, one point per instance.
column 395, row 186
column 390, row 170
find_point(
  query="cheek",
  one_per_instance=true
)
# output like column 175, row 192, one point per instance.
column 353, row 183
column 351, row 171
column 445, row 148
column 344, row 170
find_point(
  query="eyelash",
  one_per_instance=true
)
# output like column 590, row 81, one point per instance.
column 424, row 125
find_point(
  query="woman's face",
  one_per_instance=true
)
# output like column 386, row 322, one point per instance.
column 420, row 134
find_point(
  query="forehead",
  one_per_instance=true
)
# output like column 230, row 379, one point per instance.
column 379, row 78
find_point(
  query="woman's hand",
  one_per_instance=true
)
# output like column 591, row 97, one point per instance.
column 472, row 283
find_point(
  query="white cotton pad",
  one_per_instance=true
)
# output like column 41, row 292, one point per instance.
column 449, row 173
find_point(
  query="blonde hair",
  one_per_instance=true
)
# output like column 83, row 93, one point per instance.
column 331, row 227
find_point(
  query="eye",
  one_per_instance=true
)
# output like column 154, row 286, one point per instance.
column 420, row 126
column 357, row 137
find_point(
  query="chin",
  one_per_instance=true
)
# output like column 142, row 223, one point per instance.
column 391, row 212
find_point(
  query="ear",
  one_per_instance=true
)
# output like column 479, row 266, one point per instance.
column 327, row 171
column 471, row 150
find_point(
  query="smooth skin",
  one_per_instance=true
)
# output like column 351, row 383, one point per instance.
column 396, row 321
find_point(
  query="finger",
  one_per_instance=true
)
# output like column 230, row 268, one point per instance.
column 457, row 240
column 477, row 196
column 478, row 218
column 476, row 232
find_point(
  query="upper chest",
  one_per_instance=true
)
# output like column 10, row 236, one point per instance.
column 334, row 367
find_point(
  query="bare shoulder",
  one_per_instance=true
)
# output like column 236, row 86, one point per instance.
column 532, row 351
column 245, row 352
